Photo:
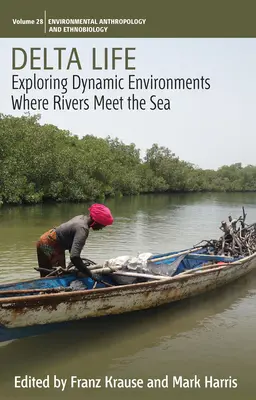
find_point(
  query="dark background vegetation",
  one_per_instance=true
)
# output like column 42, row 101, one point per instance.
column 41, row 163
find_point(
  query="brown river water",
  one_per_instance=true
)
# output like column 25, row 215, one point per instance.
column 209, row 336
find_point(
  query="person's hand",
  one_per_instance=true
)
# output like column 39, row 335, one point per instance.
column 96, row 277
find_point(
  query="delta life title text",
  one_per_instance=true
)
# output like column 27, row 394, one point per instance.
column 99, row 90
column 58, row 79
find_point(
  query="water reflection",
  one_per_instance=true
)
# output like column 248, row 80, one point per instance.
column 153, row 223
column 212, row 334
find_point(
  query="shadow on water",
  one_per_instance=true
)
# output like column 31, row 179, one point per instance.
column 121, row 336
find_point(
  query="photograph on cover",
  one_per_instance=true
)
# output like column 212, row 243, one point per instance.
column 127, row 218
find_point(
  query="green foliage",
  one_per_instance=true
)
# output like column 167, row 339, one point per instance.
column 41, row 162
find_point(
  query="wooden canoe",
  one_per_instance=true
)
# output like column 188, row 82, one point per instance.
column 49, row 301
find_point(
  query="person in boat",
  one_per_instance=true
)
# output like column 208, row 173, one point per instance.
column 70, row 235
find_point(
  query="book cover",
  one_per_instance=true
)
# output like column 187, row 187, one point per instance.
column 127, row 200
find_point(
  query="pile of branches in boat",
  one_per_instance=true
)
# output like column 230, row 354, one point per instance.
column 238, row 240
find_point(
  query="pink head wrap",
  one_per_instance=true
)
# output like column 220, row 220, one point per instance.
column 101, row 214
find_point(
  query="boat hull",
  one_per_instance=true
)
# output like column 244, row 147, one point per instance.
column 36, row 310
